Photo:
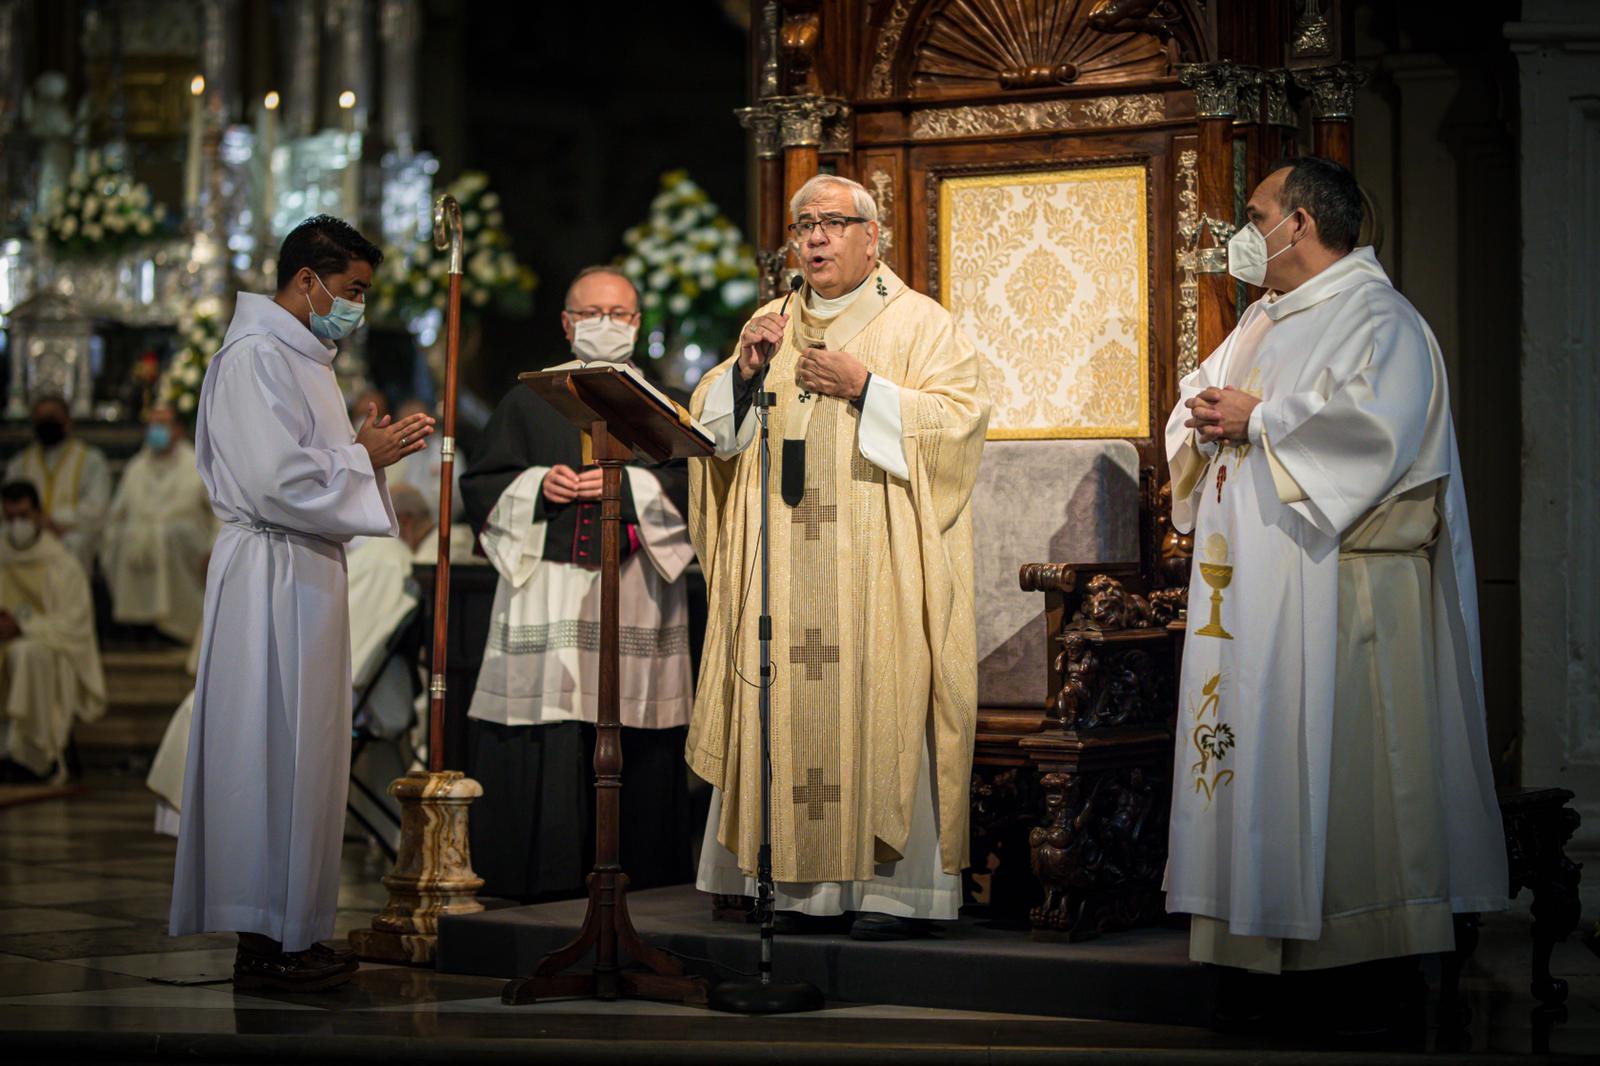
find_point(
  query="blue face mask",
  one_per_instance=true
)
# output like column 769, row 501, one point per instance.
column 342, row 319
column 158, row 437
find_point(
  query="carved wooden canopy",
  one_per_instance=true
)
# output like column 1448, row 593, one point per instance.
column 937, row 49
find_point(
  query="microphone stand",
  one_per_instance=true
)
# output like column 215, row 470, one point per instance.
column 763, row 995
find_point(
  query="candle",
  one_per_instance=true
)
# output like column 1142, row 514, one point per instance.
column 268, row 143
column 352, row 167
column 191, row 170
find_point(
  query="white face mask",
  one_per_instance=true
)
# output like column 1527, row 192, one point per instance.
column 1247, row 252
column 600, row 340
column 22, row 532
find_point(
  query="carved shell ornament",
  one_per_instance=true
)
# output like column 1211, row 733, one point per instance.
column 980, row 45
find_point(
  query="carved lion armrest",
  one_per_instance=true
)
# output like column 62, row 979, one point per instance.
column 1108, row 663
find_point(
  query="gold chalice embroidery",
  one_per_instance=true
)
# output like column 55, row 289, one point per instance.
column 1219, row 576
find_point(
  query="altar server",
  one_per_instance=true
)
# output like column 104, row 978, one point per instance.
column 881, row 409
column 532, row 717
column 1333, row 801
column 49, row 661
column 269, row 749
column 158, row 534
column 72, row 477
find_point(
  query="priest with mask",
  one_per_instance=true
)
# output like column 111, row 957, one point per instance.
column 881, row 409
column 73, row 479
column 531, row 733
column 158, row 534
column 49, row 661
column 1333, row 801
column 269, row 748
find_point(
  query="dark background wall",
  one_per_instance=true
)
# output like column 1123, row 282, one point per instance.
column 574, row 111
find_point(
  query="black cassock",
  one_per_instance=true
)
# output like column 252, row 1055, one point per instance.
column 533, row 830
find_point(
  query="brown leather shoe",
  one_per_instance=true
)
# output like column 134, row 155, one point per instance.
column 289, row 971
column 327, row 952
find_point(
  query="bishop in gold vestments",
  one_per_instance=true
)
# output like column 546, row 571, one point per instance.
column 874, row 702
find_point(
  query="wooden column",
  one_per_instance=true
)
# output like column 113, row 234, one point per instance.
column 1216, row 90
column 800, row 131
column 762, row 121
column 1333, row 104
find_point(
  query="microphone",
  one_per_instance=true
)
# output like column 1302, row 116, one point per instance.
column 794, row 287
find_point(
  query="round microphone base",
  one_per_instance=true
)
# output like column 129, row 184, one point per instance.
column 751, row 996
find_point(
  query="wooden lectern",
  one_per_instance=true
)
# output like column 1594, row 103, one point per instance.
column 619, row 416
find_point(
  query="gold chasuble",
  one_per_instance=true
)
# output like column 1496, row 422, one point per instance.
column 873, row 640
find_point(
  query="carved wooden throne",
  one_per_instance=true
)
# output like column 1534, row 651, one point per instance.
column 1061, row 176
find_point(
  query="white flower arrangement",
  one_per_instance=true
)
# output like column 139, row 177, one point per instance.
column 414, row 281
column 198, row 342
column 688, row 260
column 101, row 210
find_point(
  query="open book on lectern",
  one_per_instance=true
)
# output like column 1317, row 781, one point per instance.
column 666, row 404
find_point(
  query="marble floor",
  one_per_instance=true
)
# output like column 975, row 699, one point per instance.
column 87, row 973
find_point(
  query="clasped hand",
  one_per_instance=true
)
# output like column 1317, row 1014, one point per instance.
column 830, row 373
column 564, row 484
column 1221, row 414
column 387, row 441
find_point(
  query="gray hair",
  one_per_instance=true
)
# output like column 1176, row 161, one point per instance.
column 860, row 199
column 409, row 502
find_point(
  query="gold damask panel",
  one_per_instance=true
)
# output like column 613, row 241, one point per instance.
column 1048, row 274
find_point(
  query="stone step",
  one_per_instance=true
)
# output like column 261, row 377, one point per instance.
column 143, row 687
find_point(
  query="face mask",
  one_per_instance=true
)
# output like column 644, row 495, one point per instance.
column 1247, row 252
column 342, row 319
column 49, row 432
column 600, row 340
column 22, row 532
column 158, row 437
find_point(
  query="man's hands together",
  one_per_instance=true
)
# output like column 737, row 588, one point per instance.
column 564, row 484
column 1221, row 415
column 387, row 442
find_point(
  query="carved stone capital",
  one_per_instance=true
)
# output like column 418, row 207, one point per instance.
column 1216, row 86
column 760, row 121
column 1333, row 89
column 812, row 122
column 1275, row 95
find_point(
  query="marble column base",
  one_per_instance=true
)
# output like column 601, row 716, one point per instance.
column 432, row 874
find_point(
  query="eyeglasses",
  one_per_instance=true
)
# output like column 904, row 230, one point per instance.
column 617, row 314
column 832, row 225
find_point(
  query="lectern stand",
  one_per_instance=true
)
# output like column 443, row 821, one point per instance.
column 618, row 416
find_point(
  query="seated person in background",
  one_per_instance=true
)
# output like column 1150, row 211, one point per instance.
column 50, row 666
column 158, row 534
column 421, row 469
column 531, row 734
column 382, row 596
column 72, row 478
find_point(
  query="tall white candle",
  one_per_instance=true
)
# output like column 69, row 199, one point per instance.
column 352, row 171
column 268, row 144
column 191, row 169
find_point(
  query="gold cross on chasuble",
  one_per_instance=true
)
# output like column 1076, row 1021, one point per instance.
column 814, row 654
column 814, row 794
column 812, row 514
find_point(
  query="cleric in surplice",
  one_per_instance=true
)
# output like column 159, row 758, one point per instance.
column 269, row 748
column 881, row 409
column 1333, row 801
column 531, row 731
